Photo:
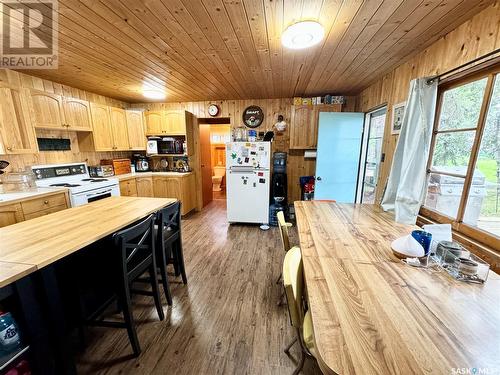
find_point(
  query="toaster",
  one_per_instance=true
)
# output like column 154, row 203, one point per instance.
column 101, row 171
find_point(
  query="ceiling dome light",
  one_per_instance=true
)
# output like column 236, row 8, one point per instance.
column 302, row 35
column 154, row 94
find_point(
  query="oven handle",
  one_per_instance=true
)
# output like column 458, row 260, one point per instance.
column 99, row 193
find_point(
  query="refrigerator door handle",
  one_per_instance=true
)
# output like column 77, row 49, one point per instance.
column 242, row 169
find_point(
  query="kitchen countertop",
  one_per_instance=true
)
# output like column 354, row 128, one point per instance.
column 150, row 174
column 18, row 196
column 31, row 245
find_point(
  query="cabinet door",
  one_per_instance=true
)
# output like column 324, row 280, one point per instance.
column 17, row 135
column 135, row 128
column 119, row 128
column 128, row 188
column 144, row 186
column 47, row 109
column 77, row 114
column 188, row 194
column 174, row 188
column 154, row 122
column 102, row 133
column 175, row 122
column 11, row 214
column 303, row 128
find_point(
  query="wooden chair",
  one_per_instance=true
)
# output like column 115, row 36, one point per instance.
column 169, row 245
column 285, row 241
column 300, row 318
column 135, row 254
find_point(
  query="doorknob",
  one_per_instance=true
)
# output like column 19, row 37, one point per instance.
column 318, row 178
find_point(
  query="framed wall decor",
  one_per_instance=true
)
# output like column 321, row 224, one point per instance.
column 253, row 116
column 398, row 111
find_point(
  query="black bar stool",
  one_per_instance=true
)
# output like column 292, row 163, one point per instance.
column 135, row 254
column 169, row 244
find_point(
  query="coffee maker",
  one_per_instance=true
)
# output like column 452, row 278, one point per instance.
column 141, row 163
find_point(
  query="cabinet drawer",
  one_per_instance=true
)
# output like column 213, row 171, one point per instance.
column 44, row 203
column 45, row 212
column 128, row 188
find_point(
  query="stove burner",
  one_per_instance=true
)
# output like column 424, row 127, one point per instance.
column 95, row 179
column 65, row 185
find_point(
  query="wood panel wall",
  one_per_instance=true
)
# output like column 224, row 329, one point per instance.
column 50, row 157
column 297, row 165
column 474, row 38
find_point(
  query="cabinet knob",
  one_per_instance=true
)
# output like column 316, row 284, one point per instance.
column 9, row 148
column 45, row 202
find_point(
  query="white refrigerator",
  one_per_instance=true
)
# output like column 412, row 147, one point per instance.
column 248, row 182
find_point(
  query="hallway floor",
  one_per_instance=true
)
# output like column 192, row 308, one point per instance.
column 225, row 321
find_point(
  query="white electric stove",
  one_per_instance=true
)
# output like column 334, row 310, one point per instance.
column 75, row 176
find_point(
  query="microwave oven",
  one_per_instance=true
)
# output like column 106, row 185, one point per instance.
column 175, row 145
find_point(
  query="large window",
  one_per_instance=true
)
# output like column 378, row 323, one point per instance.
column 464, row 165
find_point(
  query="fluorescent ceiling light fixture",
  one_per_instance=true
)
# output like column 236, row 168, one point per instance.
column 154, row 94
column 302, row 35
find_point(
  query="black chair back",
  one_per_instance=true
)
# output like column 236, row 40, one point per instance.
column 169, row 219
column 136, row 244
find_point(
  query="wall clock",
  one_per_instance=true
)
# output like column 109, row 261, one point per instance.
column 253, row 116
column 213, row 109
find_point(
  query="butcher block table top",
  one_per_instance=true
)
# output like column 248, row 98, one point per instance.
column 36, row 243
column 373, row 314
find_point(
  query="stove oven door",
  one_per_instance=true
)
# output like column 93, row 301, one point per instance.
column 79, row 199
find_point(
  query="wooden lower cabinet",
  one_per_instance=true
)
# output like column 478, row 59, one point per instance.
column 11, row 214
column 181, row 188
column 144, row 186
column 32, row 208
column 128, row 187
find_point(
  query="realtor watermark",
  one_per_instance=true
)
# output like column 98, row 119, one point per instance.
column 29, row 37
column 473, row 371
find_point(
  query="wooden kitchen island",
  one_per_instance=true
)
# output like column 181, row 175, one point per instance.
column 29, row 253
column 373, row 314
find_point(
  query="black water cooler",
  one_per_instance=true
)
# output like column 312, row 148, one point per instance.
column 279, row 190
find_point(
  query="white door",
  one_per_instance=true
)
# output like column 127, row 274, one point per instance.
column 248, row 196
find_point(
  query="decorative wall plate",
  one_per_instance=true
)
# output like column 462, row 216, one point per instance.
column 253, row 116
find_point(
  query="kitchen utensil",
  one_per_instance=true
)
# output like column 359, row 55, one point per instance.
column 18, row 181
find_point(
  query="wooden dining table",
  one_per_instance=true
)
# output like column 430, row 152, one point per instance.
column 374, row 314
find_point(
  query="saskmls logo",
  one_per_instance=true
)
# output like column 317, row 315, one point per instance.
column 29, row 37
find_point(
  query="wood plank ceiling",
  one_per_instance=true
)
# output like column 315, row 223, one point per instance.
column 231, row 49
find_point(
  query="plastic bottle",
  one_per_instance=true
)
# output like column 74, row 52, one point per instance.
column 10, row 340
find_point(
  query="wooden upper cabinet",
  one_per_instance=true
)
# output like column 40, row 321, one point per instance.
column 17, row 135
column 47, row 110
column 119, row 128
column 154, row 122
column 175, row 122
column 169, row 122
column 304, row 125
column 102, row 133
column 136, row 132
column 77, row 114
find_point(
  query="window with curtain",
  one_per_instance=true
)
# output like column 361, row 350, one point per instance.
column 464, row 164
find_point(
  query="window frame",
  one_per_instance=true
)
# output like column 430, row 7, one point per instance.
column 475, row 233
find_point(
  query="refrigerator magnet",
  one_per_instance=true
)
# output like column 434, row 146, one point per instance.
column 260, row 174
column 262, row 180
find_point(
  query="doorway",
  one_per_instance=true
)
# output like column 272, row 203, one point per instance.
column 371, row 155
column 213, row 139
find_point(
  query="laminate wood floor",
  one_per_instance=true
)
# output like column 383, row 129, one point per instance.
column 225, row 321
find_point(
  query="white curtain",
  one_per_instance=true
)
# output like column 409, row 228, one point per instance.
column 406, row 186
